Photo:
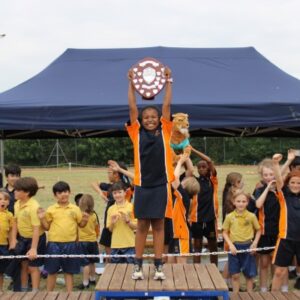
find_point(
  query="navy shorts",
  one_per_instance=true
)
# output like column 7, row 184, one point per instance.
column 4, row 262
column 24, row 244
column 242, row 262
column 285, row 251
column 68, row 265
column 105, row 239
column 266, row 241
column 201, row 229
column 123, row 251
column 89, row 248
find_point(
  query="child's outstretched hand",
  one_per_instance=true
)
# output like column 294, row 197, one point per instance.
column 291, row 154
column 277, row 158
column 41, row 212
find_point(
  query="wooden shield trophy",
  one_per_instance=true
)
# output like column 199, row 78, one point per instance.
column 148, row 77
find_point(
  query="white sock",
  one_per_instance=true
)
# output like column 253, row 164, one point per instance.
column 298, row 275
column 291, row 268
column 85, row 282
column 263, row 289
column 284, row 288
column 92, row 278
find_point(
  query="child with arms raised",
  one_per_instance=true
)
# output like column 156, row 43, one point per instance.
column 288, row 243
column 62, row 220
column 150, row 135
column 241, row 231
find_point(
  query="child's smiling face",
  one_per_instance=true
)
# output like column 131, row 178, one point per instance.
column 294, row 185
column 240, row 202
column 3, row 202
column 267, row 175
column 150, row 119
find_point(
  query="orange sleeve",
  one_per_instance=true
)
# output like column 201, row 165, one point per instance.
column 167, row 125
column 214, row 181
column 133, row 129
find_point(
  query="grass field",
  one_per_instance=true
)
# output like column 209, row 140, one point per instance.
column 80, row 180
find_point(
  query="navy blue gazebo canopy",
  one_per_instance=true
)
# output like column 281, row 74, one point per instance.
column 233, row 91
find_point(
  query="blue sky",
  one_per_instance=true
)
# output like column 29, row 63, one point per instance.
column 39, row 31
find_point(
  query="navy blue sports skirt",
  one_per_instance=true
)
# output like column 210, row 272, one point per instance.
column 150, row 202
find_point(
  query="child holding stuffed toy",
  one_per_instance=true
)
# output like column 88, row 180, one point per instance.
column 150, row 135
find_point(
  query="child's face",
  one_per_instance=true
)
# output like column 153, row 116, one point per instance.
column 294, row 185
column 3, row 202
column 112, row 176
column 21, row 195
column 203, row 168
column 150, row 119
column 240, row 202
column 62, row 197
column 119, row 196
column 267, row 175
column 11, row 179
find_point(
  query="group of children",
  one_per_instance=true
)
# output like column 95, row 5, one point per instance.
column 179, row 207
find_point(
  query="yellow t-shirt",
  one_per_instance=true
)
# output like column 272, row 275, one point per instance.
column 6, row 221
column 89, row 232
column 64, row 222
column 241, row 227
column 26, row 216
column 122, row 235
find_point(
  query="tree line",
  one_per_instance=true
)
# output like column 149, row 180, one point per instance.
column 96, row 151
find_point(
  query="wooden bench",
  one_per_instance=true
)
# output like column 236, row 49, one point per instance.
column 183, row 281
column 47, row 296
column 265, row 296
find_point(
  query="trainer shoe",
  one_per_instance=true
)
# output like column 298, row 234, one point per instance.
column 137, row 273
column 297, row 283
column 82, row 286
column 159, row 274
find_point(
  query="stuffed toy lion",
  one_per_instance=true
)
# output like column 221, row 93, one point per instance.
column 180, row 135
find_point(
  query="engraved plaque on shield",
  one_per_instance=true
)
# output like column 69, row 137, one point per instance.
column 148, row 77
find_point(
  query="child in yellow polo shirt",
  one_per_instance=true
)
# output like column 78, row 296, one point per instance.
column 121, row 223
column 62, row 220
column 30, row 237
column 239, row 229
column 6, row 223
column 87, row 241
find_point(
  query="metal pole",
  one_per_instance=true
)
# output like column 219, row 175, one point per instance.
column 57, row 153
column 2, row 159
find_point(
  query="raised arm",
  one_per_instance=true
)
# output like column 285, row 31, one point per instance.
column 286, row 166
column 115, row 167
column 97, row 189
column 189, row 171
column 133, row 110
column 166, row 107
column 279, row 182
column 177, row 170
column 262, row 198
